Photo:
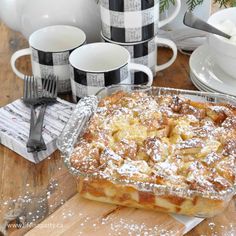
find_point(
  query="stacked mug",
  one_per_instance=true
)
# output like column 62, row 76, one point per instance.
column 128, row 53
column 134, row 25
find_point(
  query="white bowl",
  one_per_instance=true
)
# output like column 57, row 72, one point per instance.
column 223, row 50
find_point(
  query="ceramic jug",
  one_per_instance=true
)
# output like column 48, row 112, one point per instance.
column 27, row 16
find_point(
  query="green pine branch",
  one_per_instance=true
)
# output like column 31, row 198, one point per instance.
column 192, row 4
column 226, row 3
column 165, row 4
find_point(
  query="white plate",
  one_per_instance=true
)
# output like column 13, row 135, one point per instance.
column 209, row 74
column 200, row 85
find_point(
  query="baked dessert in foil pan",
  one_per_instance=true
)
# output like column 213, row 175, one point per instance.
column 155, row 148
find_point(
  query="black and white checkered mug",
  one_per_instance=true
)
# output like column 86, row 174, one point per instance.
column 97, row 65
column 145, row 53
column 50, row 48
column 128, row 21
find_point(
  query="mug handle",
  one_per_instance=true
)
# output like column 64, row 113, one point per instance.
column 170, row 44
column 145, row 69
column 172, row 16
column 15, row 56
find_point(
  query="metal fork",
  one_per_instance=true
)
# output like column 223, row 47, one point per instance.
column 48, row 95
column 31, row 99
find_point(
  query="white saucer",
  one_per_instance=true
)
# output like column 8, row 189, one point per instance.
column 200, row 85
column 208, row 74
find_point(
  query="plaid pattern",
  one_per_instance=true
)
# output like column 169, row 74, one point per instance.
column 142, row 53
column 85, row 83
column 129, row 20
column 79, row 90
column 52, row 63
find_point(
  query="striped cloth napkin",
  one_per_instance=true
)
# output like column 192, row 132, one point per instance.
column 15, row 125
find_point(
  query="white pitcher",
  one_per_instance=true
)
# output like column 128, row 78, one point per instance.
column 27, row 16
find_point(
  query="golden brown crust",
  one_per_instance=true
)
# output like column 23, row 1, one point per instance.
column 164, row 140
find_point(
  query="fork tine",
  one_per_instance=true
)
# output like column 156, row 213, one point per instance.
column 43, row 87
column 54, row 90
column 36, row 88
column 50, row 91
column 25, row 88
column 55, row 87
column 30, row 87
column 33, row 87
column 48, row 85
column 52, row 86
column 28, row 92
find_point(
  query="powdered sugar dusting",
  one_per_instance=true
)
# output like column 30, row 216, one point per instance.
column 148, row 141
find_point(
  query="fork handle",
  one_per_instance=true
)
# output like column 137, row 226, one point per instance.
column 32, row 117
column 36, row 142
column 32, row 123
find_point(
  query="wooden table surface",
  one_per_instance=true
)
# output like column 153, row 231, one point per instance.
column 21, row 179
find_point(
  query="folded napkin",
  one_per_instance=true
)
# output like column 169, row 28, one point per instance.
column 15, row 125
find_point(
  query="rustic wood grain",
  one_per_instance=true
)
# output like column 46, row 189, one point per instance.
column 19, row 177
column 177, row 75
column 92, row 218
